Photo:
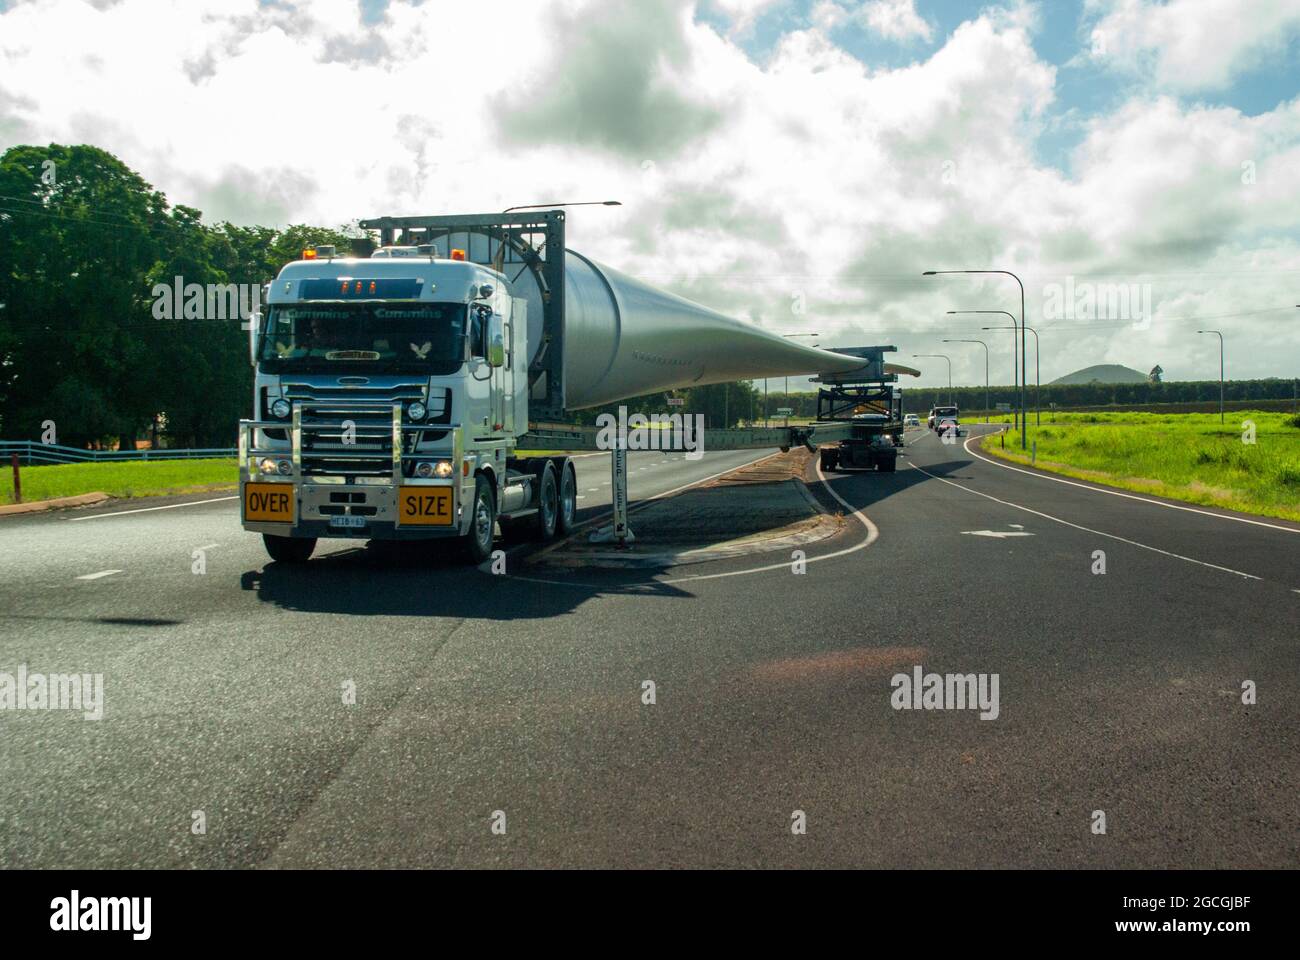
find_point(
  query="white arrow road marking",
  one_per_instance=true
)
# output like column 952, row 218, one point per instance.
column 996, row 533
column 1099, row 533
column 96, row 576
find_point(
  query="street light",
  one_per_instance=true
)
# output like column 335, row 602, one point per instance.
column 1038, row 382
column 986, row 372
column 1015, row 352
column 945, row 357
column 1220, row 336
column 1025, row 430
column 580, row 203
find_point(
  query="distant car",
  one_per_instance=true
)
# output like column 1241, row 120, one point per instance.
column 937, row 413
column 946, row 425
column 911, row 420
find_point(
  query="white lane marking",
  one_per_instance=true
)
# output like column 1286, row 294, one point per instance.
column 208, row 546
column 873, row 533
column 996, row 533
column 592, row 489
column 96, row 576
column 1099, row 533
column 1127, row 496
column 170, row 506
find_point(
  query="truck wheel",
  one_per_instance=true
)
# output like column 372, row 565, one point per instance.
column 548, row 505
column 289, row 549
column 829, row 460
column 483, row 517
column 568, row 518
column 887, row 465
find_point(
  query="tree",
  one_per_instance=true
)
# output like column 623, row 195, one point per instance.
column 78, row 231
column 1156, row 372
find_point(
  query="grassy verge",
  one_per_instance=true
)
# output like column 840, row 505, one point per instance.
column 1189, row 456
column 135, row 479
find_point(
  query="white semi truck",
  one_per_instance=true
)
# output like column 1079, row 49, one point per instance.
column 393, row 392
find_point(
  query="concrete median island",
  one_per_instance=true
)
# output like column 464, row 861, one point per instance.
column 759, row 508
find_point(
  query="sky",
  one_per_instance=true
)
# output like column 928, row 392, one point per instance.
column 797, row 163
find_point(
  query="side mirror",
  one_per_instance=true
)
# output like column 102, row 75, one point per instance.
column 254, row 324
column 496, row 346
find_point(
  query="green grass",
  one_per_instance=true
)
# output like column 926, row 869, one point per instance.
column 134, row 479
column 1187, row 456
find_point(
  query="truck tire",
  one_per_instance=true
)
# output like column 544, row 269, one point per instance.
column 289, row 549
column 829, row 459
column 477, row 544
column 567, row 520
column 548, row 504
column 887, row 464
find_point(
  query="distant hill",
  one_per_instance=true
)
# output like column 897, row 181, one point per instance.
column 1103, row 373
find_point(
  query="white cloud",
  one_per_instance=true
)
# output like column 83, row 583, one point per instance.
column 1191, row 45
column 745, row 184
column 743, row 13
column 895, row 19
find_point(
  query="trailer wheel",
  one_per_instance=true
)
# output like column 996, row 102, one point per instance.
column 548, row 505
column 887, row 465
column 477, row 544
column 289, row 549
column 829, row 459
column 568, row 517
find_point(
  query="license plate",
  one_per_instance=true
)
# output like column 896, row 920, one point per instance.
column 427, row 506
column 349, row 522
column 269, row 502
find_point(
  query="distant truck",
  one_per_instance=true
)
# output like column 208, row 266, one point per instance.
column 940, row 412
column 873, row 407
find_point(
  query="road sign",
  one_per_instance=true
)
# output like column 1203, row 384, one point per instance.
column 676, row 402
column 784, row 411
column 1004, row 408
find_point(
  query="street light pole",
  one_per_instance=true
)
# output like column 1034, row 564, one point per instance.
column 1220, row 336
column 1024, row 432
column 945, row 357
column 1015, row 350
column 1038, row 382
column 986, row 372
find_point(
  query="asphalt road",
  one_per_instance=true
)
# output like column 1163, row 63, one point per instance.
column 481, row 699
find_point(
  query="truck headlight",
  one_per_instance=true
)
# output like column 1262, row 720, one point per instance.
column 266, row 465
column 424, row 470
column 285, row 467
column 281, row 408
column 416, row 410
column 443, row 469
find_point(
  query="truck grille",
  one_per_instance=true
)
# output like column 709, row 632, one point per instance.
column 325, row 410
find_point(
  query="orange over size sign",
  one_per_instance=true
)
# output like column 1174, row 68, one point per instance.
column 269, row 502
column 424, row 506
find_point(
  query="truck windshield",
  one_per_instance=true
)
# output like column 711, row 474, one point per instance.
column 409, row 337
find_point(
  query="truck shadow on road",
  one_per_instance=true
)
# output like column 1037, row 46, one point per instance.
column 415, row 580
column 863, row 488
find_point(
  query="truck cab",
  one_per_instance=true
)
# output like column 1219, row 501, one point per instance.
column 388, row 397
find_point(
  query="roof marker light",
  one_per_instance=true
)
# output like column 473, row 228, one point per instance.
column 457, row 254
